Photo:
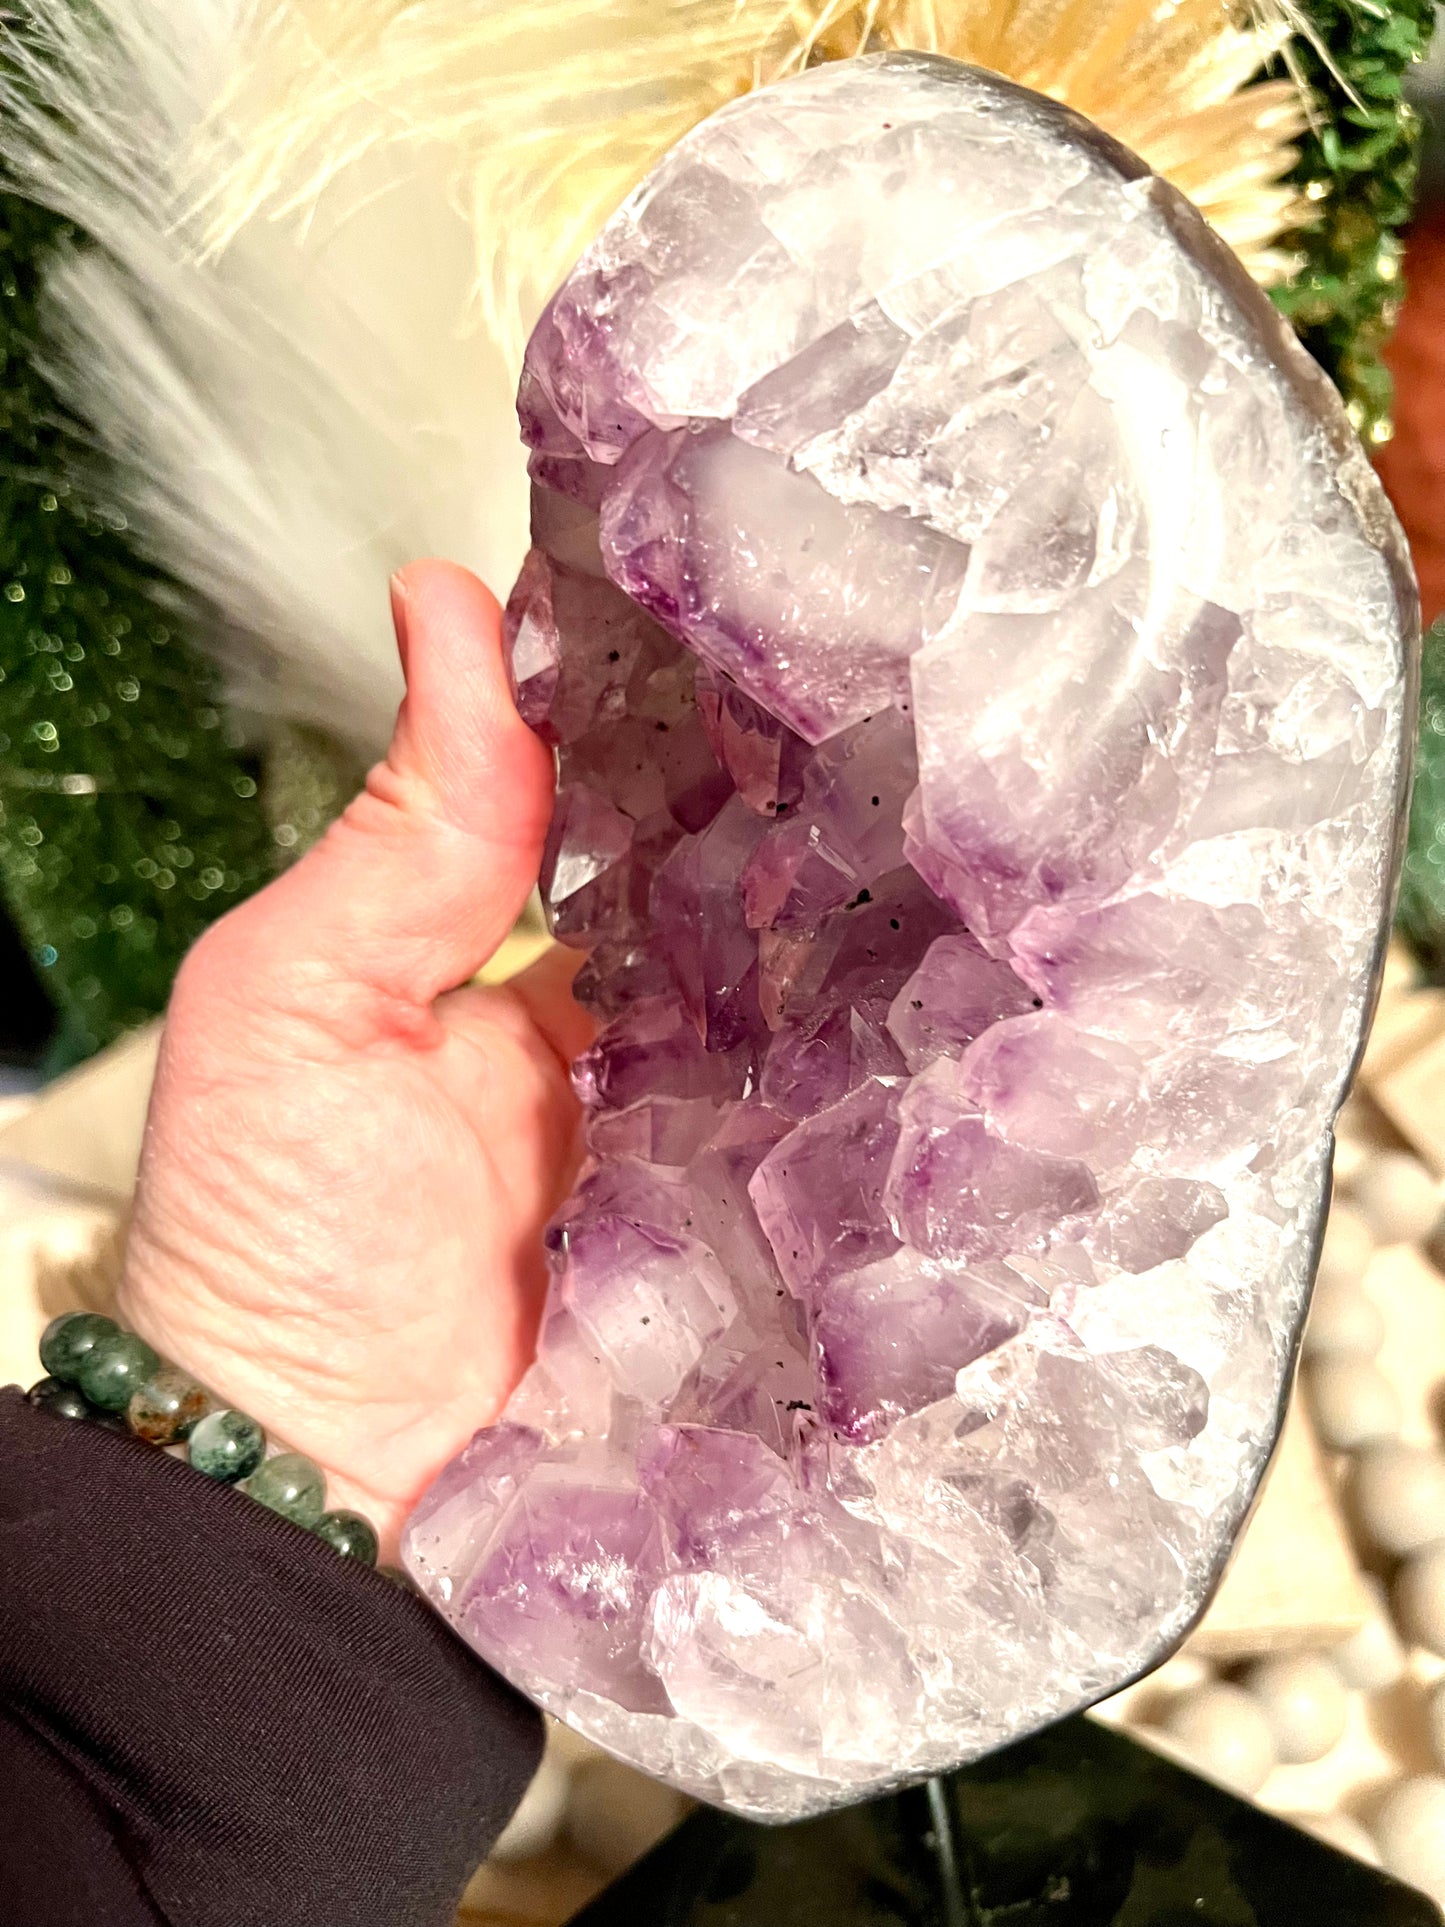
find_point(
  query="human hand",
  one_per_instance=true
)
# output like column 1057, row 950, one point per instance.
column 349, row 1160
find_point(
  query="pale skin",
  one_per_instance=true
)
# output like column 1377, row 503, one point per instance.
column 352, row 1148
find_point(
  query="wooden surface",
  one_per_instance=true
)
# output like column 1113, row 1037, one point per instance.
column 1293, row 1585
column 533, row 1893
column 86, row 1129
column 1403, row 1073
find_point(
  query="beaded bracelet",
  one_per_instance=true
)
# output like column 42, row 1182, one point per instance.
column 112, row 1378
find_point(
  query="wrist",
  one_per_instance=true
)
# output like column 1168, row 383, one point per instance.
column 380, row 1396
column 375, row 1462
column 100, row 1372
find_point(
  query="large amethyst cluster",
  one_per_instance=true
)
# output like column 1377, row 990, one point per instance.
column 977, row 659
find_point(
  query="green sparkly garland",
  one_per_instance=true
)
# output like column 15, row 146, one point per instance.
column 128, row 818
column 1359, row 164
column 1422, row 882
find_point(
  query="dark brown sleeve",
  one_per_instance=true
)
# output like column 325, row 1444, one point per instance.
column 208, row 1717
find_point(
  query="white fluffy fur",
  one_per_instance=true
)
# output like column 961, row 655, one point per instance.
column 292, row 418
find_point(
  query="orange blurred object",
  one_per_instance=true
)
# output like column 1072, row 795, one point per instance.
column 1412, row 465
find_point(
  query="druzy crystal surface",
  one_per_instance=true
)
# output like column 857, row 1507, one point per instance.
column 978, row 659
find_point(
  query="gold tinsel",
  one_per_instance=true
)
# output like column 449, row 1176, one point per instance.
column 547, row 112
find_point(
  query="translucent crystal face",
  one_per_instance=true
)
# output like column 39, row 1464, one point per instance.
column 978, row 660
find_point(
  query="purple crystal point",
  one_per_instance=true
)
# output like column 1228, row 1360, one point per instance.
column 957, row 992
column 819, row 1192
column 570, row 1571
column 648, row 1303
column 978, row 658
column 893, row 1336
column 958, row 1188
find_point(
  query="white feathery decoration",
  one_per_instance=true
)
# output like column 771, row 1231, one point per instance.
column 292, row 419
column 552, row 110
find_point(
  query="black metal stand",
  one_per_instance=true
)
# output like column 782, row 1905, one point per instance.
column 1077, row 1827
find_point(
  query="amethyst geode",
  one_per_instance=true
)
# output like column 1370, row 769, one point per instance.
column 978, row 657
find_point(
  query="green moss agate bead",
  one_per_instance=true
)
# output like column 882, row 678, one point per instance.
column 115, row 1366
column 349, row 1534
column 68, row 1401
column 69, row 1340
column 167, row 1407
column 290, row 1485
column 227, row 1445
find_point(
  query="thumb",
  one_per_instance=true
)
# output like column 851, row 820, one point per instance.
column 414, row 887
